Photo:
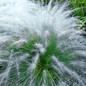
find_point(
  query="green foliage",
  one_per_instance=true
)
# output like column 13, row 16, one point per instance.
column 80, row 6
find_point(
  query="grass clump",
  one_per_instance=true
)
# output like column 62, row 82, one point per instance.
column 43, row 72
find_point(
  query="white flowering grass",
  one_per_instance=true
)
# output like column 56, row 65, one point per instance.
column 29, row 65
column 40, row 45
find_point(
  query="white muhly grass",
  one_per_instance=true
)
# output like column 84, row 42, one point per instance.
column 33, row 65
column 19, row 18
column 62, row 84
column 63, row 69
column 19, row 42
column 40, row 47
